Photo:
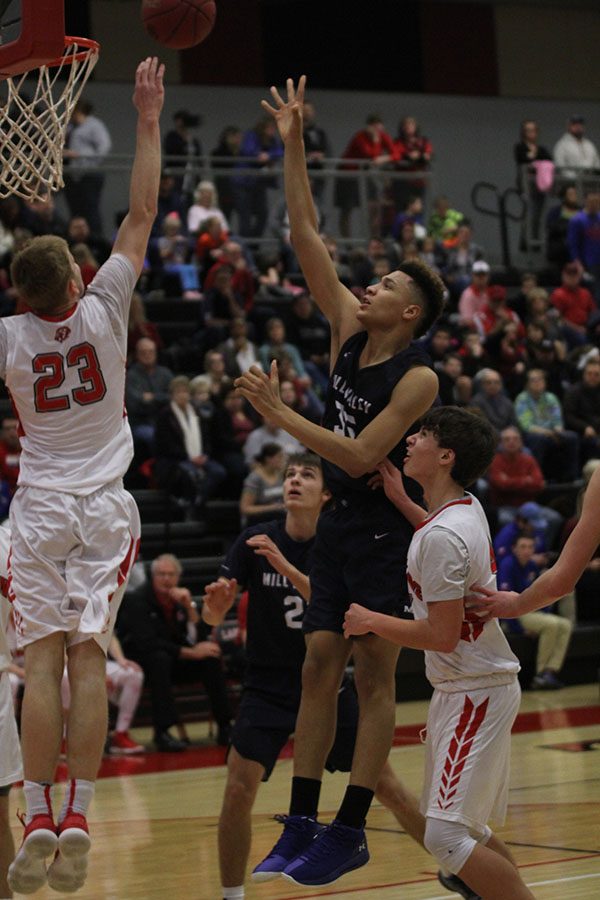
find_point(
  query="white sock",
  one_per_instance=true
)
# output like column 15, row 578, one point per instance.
column 78, row 797
column 233, row 893
column 38, row 799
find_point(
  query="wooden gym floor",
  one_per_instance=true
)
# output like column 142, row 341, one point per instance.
column 153, row 821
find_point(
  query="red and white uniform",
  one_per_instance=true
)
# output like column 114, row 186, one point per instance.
column 11, row 768
column 75, row 531
column 476, row 694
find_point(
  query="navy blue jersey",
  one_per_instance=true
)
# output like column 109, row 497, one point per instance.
column 354, row 398
column 275, row 608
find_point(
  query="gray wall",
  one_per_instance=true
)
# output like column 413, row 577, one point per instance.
column 472, row 137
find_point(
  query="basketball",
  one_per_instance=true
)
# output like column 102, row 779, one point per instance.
column 178, row 23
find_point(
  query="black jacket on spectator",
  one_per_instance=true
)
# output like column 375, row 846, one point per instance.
column 581, row 407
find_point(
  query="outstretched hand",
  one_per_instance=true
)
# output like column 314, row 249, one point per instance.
column 490, row 605
column 149, row 92
column 261, row 390
column 288, row 116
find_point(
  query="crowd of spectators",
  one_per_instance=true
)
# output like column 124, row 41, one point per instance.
column 526, row 356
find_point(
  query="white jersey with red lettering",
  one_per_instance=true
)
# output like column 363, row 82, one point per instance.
column 451, row 551
column 5, row 654
column 66, row 378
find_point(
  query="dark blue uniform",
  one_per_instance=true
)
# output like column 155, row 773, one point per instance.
column 362, row 539
column 275, row 652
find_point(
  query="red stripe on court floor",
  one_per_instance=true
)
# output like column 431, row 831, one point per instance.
column 404, row 735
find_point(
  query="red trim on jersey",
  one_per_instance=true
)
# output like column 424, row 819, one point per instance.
column 460, row 747
column 466, row 501
column 127, row 563
column 60, row 318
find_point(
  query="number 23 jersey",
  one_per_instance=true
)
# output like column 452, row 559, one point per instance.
column 66, row 378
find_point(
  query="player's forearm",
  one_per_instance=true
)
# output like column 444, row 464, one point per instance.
column 347, row 453
column 300, row 581
column 298, row 196
column 145, row 173
column 417, row 634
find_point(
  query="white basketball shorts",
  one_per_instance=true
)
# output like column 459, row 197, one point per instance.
column 468, row 755
column 69, row 562
column 11, row 768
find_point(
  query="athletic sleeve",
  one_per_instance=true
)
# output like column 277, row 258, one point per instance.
column 235, row 564
column 445, row 565
column 3, row 351
column 113, row 286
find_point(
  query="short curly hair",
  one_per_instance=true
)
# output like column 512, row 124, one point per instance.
column 430, row 292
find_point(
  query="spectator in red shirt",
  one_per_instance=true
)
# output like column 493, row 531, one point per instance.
column 574, row 303
column 495, row 313
column 10, row 452
column 514, row 476
column 374, row 145
column 412, row 154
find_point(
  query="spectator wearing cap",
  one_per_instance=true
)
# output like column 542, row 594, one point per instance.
column 495, row 313
column 573, row 151
column 475, row 296
column 527, row 520
column 540, row 417
column 581, row 406
column 183, row 152
column 583, row 240
column 492, row 400
column 574, row 303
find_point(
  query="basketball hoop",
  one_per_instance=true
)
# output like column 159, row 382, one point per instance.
column 34, row 118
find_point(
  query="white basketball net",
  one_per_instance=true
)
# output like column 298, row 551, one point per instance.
column 33, row 123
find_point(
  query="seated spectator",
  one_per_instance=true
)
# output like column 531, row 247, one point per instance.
column 79, row 232
column 208, row 249
column 491, row 399
column 518, row 303
column 574, row 303
column 169, row 201
column 439, row 342
column 40, row 216
column 10, row 454
column 448, row 372
column 205, row 206
column 242, row 278
column 276, row 344
column 474, row 297
column 432, row 253
column 233, row 423
column 581, row 407
column 361, row 261
column 297, row 395
column 528, row 521
column 85, row 259
column 516, row 571
column 239, row 352
column 308, row 330
column 214, row 368
column 496, row 313
column 542, row 352
column 222, row 305
column 139, row 327
column 462, row 252
column 269, row 433
column 540, row 418
column 262, row 493
column 124, row 683
column 506, row 347
column 515, row 479
column 158, row 628
column 473, row 354
column 413, row 214
column 183, row 463
column 443, row 216
column 146, row 392
column 174, row 251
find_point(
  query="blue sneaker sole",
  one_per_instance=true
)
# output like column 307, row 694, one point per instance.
column 356, row 863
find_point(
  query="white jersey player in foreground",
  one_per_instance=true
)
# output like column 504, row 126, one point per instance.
column 75, row 530
column 469, row 664
column 11, row 769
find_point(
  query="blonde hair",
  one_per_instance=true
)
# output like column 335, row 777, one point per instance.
column 41, row 272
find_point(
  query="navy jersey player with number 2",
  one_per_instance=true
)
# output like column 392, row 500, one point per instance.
column 380, row 384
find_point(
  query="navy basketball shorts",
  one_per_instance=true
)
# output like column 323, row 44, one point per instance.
column 265, row 722
column 359, row 556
